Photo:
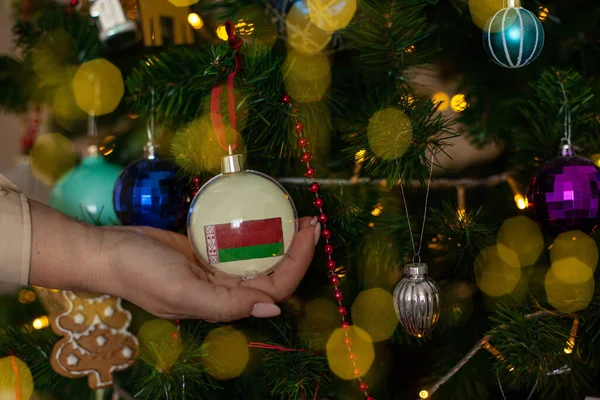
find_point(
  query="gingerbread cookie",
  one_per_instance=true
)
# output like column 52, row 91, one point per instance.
column 96, row 341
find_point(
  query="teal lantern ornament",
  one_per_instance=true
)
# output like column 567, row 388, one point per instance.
column 513, row 37
column 86, row 192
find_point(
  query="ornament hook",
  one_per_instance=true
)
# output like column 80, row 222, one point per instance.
column 150, row 148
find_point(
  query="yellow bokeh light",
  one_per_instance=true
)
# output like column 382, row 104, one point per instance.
column 373, row 311
column 390, row 133
column 483, row 10
column 494, row 275
column 543, row 13
column 572, row 270
column 303, row 35
column 226, row 353
column 568, row 298
column 26, row 296
column 98, row 87
column 331, row 15
column 523, row 237
column 320, row 318
column 195, row 21
column 409, row 49
column 160, row 343
column 443, row 99
column 423, row 394
column 16, row 381
column 253, row 24
column 65, row 109
column 568, row 350
column 461, row 213
column 51, row 156
column 41, row 322
column 338, row 355
column 52, row 56
column 575, row 244
column 183, row 3
column 222, row 32
column 306, row 77
column 376, row 212
column 458, row 103
column 521, row 202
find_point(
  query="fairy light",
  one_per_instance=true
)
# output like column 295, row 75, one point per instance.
column 26, row 296
column 572, row 336
column 521, row 202
column 222, row 32
column 377, row 210
column 41, row 322
column 442, row 99
column 459, row 103
column 359, row 157
column 409, row 49
column 543, row 13
column 195, row 21
column 461, row 212
column 423, row 394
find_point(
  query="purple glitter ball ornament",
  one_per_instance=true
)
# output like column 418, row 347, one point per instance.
column 564, row 195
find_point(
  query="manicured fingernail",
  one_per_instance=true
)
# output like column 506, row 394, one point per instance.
column 313, row 221
column 317, row 234
column 265, row 310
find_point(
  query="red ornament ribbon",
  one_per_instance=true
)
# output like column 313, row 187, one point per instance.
column 235, row 42
column 326, row 233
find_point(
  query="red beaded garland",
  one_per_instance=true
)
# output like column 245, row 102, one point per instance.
column 326, row 233
column 334, row 279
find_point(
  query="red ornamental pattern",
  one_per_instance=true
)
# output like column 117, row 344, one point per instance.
column 326, row 233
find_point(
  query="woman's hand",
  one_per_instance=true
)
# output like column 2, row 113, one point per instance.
column 157, row 269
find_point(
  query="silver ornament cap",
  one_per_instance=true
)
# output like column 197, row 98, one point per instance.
column 417, row 300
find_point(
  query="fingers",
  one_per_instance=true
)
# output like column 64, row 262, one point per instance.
column 219, row 303
column 287, row 276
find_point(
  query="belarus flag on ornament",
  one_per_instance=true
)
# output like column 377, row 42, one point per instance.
column 244, row 240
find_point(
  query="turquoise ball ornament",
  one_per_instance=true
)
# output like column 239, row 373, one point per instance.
column 86, row 192
column 513, row 37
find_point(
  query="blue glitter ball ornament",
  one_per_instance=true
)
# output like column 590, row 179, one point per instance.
column 513, row 37
column 150, row 193
column 85, row 192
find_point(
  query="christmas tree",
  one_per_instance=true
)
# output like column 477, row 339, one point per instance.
column 455, row 179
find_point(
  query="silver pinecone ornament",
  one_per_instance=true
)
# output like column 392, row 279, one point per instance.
column 417, row 300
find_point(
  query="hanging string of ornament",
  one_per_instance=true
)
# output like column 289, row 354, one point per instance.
column 326, row 233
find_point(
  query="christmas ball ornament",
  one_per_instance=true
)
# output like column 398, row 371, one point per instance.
column 564, row 195
column 16, row 381
column 241, row 222
column 116, row 30
column 513, row 37
column 417, row 300
column 86, row 192
column 149, row 192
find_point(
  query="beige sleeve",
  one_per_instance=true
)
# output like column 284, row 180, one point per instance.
column 15, row 234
